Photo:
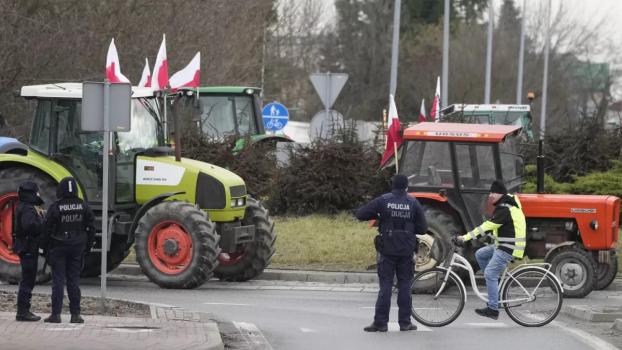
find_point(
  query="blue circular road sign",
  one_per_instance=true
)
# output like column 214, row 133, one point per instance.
column 275, row 116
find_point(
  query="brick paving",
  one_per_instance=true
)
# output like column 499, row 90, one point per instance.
column 177, row 329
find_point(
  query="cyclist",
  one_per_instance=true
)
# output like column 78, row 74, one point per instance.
column 509, row 230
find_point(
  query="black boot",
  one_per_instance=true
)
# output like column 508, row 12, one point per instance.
column 488, row 312
column 375, row 328
column 26, row 316
column 75, row 318
column 408, row 327
column 53, row 318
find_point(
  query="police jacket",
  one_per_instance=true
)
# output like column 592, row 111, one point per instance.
column 69, row 220
column 508, row 227
column 401, row 218
column 27, row 221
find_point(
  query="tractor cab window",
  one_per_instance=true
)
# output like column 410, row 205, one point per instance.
column 427, row 164
column 476, row 165
column 223, row 116
column 80, row 152
column 40, row 136
column 145, row 132
column 511, row 163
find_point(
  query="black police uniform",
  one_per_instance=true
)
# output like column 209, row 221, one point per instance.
column 27, row 232
column 400, row 217
column 69, row 234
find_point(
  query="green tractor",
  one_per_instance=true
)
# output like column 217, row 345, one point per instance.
column 220, row 112
column 188, row 220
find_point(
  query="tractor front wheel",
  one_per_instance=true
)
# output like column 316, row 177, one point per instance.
column 176, row 245
column 576, row 269
column 10, row 179
column 252, row 258
column 606, row 273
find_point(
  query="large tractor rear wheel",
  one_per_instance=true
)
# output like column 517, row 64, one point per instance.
column 10, row 179
column 176, row 245
column 576, row 269
column 252, row 258
column 606, row 273
column 119, row 250
column 435, row 246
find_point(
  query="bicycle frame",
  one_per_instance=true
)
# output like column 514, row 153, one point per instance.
column 461, row 262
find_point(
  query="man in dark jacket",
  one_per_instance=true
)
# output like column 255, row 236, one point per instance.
column 401, row 218
column 28, row 227
column 70, row 231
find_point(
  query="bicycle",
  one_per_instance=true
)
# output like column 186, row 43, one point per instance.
column 530, row 293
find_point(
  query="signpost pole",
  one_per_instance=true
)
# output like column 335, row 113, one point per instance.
column 106, row 159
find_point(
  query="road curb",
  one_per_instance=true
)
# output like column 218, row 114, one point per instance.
column 173, row 313
column 594, row 313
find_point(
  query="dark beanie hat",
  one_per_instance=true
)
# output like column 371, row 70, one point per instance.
column 400, row 182
column 498, row 187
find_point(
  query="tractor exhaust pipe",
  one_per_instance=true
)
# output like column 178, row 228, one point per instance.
column 176, row 131
column 540, row 167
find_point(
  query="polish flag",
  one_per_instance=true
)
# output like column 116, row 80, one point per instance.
column 159, row 80
column 189, row 76
column 145, row 79
column 435, row 113
column 422, row 116
column 394, row 138
column 113, row 67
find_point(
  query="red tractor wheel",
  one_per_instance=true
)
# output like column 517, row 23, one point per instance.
column 176, row 245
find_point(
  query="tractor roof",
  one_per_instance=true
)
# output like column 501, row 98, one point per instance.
column 71, row 90
column 225, row 89
column 485, row 108
column 460, row 132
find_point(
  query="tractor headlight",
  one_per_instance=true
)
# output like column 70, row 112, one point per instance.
column 594, row 225
column 238, row 202
column 249, row 91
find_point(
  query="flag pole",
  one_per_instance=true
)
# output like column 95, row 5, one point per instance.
column 384, row 127
column 397, row 168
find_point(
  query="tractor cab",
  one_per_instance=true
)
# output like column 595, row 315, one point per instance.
column 220, row 112
column 459, row 162
column 56, row 134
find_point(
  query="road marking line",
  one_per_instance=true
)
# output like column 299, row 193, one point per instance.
column 227, row 304
column 592, row 341
column 307, row 330
column 395, row 327
column 487, row 324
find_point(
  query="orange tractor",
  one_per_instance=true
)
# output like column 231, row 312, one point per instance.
column 451, row 167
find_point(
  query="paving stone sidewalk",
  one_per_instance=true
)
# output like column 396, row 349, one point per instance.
column 173, row 329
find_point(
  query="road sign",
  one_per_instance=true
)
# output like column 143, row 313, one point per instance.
column 119, row 107
column 325, row 126
column 275, row 116
column 328, row 86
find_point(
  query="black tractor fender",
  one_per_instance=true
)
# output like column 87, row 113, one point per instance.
column 557, row 248
column 150, row 204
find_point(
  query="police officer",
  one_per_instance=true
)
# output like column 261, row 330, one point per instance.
column 28, row 228
column 400, row 217
column 70, row 233
column 509, row 231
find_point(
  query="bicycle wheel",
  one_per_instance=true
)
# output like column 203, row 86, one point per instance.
column 532, row 298
column 441, row 310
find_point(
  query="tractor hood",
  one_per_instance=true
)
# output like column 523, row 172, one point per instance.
column 212, row 188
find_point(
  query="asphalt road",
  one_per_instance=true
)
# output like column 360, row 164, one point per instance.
column 314, row 318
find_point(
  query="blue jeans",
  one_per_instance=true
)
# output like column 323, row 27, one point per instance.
column 492, row 261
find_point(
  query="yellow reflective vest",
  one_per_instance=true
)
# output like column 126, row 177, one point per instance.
column 508, row 227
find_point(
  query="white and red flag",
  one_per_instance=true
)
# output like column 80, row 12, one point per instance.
column 159, row 79
column 394, row 136
column 113, row 67
column 435, row 113
column 422, row 115
column 145, row 79
column 189, row 76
